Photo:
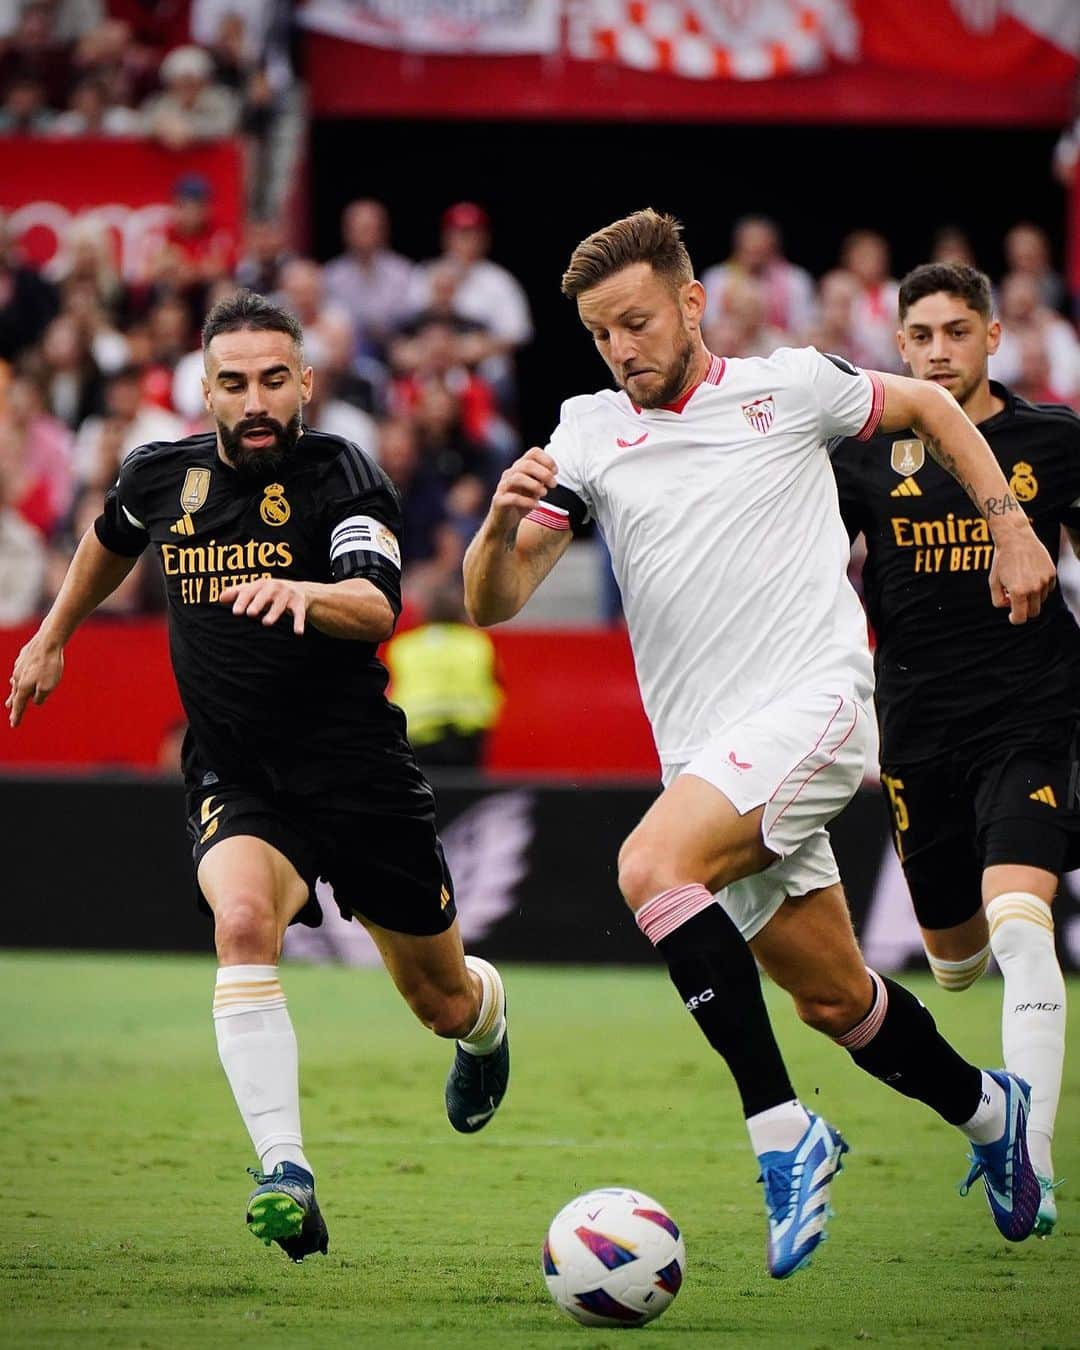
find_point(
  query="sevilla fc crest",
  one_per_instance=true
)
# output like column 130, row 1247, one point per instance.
column 760, row 413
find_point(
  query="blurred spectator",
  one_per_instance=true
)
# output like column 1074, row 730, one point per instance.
column 1032, row 379
column 1027, row 251
column 191, row 108
column 139, row 592
column 473, row 340
column 129, row 420
column 265, row 254
column 423, row 496
column 107, row 344
column 72, row 18
column 486, row 292
column 38, row 457
column 443, row 675
column 326, row 411
column 89, row 113
column 437, row 361
column 833, row 330
column 952, row 245
column 22, row 554
column 444, row 442
column 740, row 327
column 1022, row 314
column 87, row 254
column 27, row 301
column 112, row 55
column 195, row 251
column 303, row 293
column 154, row 25
column 369, row 279
column 170, row 339
column 74, row 387
column 25, row 111
column 359, row 382
column 756, row 253
column 865, row 254
column 36, row 55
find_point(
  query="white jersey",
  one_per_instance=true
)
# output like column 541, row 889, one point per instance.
column 721, row 516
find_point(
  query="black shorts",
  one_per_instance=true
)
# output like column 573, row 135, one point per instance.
column 952, row 817
column 380, row 854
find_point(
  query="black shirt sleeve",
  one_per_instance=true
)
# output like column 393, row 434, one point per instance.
column 121, row 528
column 363, row 522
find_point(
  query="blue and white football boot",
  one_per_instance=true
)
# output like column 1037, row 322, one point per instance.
column 282, row 1208
column 796, row 1186
column 1012, row 1188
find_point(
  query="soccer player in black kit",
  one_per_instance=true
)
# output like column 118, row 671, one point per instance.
column 279, row 548
column 979, row 720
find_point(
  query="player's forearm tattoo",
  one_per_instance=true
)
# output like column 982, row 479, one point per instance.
column 999, row 506
column 948, row 463
column 511, row 538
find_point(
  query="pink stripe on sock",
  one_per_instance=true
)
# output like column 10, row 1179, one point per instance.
column 659, row 917
column 864, row 1032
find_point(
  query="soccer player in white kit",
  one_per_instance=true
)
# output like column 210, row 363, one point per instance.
column 711, row 484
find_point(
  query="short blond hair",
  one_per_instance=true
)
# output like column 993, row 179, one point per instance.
column 646, row 236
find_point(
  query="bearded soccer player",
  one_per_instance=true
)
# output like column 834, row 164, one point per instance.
column 710, row 481
column 280, row 551
column 979, row 719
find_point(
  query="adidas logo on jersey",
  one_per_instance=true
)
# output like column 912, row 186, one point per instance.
column 185, row 525
column 1044, row 795
column 908, row 488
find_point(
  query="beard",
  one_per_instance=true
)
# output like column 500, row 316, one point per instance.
column 263, row 463
column 673, row 378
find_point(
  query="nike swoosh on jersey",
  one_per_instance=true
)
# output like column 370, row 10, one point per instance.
column 625, row 445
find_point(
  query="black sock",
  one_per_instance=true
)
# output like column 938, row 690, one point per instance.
column 909, row 1054
column 713, row 969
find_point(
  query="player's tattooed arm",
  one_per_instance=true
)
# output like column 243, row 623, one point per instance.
column 509, row 557
column 1022, row 572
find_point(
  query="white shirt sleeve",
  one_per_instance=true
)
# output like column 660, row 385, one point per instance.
column 556, row 510
column 850, row 401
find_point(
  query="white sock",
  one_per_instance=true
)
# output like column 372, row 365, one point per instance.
column 1032, row 1010
column 958, row 975
column 490, row 1025
column 779, row 1128
column 988, row 1122
column 258, row 1052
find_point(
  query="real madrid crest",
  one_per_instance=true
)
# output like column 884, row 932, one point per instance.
column 273, row 508
column 1023, row 484
column 195, row 490
column 908, row 456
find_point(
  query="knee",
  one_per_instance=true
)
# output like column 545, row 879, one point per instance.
column 246, row 930
column 835, row 1009
column 447, row 1015
column 642, row 873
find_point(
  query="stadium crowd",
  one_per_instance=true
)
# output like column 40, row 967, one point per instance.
column 415, row 361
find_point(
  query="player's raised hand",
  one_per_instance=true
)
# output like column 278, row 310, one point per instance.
column 527, row 481
column 36, row 673
column 268, row 600
column 1021, row 575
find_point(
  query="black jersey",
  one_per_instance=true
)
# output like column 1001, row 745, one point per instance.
column 951, row 669
column 264, row 705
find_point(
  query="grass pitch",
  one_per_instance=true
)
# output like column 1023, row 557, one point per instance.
column 124, row 1184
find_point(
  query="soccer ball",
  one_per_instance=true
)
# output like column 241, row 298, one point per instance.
column 613, row 1258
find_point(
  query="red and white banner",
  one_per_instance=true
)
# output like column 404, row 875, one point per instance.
column 985, row 62
column 440, row 25
column 128, row 185
column 716, row 39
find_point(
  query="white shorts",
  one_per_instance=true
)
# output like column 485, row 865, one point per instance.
column 802, row 758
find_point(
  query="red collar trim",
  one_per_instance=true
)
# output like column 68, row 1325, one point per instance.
column 713, row 375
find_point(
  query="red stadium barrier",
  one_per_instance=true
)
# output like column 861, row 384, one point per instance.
column 126, row 184
column 572, row 707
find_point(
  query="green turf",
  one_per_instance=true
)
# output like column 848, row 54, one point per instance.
column 123, row 1188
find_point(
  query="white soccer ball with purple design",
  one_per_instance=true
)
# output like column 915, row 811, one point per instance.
column 614, row 1258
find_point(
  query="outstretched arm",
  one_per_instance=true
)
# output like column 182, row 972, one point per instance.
column 510, row 556
column 93, row 575
column 1022, row 573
